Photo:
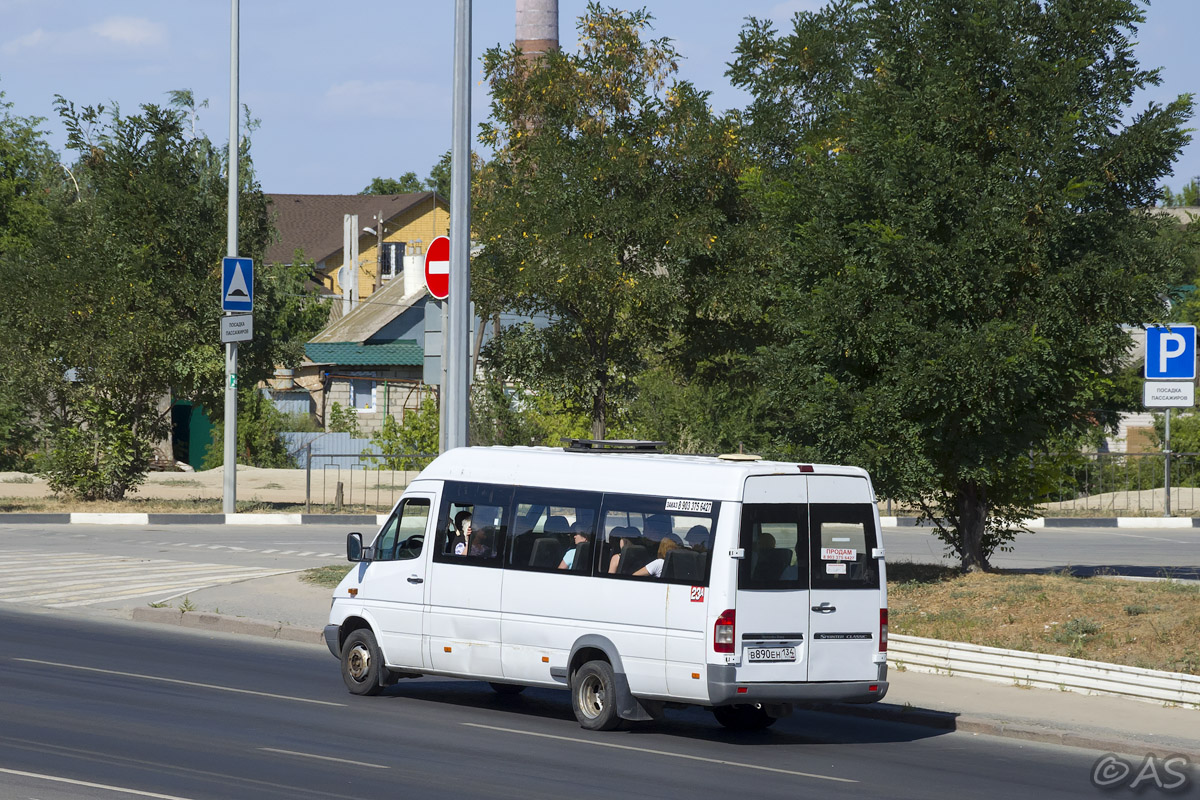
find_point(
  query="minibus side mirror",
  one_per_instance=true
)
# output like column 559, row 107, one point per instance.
column 354, row 548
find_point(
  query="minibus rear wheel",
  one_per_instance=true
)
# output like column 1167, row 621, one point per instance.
column 361, row 663
column 594, row 696
column 743, row 717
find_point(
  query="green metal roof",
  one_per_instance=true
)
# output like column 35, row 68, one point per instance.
column 400, row 353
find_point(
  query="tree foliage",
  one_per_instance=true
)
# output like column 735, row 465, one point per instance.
column 416, row 434
column 959, row 189
column 1188, row 194
column 606, row 183
column 121, row 292
column 406, row 183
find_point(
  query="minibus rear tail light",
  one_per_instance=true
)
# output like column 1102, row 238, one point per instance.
column 723, row 631
column 883, row 630
column 806, row 467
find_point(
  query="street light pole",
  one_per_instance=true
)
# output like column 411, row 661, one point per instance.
column 229, row 504
column 457, row 387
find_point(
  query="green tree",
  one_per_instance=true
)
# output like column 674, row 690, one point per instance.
column 1189, row 195
column 31, row 183
column 602, row 191
column 417, row 434
column 344, row 420
column 439, row 176
column 405, row 184
column 960, row 191
column 121, row 291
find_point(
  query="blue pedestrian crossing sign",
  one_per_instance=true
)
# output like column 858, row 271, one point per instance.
column 1171, row 352
column 237, row 284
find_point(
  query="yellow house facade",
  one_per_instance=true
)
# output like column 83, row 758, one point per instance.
column 314, row 225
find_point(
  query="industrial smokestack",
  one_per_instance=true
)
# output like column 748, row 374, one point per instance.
column 537, row 26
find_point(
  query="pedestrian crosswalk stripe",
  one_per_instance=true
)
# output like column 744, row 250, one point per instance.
column 80, row 579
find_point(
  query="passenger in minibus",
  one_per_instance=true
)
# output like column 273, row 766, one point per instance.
column 462, row 534
column 579, row 536
column 482, row 542
column 654, row 568
column 697, row 538
column 619, row 537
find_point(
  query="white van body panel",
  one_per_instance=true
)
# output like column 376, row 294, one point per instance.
column 523, row 626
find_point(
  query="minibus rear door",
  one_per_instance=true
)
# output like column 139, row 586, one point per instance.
column 845, row 595
column 771, row 614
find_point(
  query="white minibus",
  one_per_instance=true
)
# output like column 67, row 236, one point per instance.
column 636, row 580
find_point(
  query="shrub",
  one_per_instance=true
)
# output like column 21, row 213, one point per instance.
column 417, row 434
column 259, row 443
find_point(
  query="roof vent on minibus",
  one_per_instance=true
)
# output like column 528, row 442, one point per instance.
column 612, row 446
column 739, row 457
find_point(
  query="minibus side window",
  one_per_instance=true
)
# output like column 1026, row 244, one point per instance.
column 553, row 530
column 403, row 537
column 472, row 524
column 657, row 538
column 774, row 537
column 843, row 538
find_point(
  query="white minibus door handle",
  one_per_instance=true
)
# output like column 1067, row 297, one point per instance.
column 824, row 608
column 415, row 579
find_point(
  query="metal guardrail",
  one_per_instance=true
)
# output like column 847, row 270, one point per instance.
column 373, row 484
column 1019, row 668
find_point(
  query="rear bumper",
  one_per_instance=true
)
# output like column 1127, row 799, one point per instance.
column 724, row 690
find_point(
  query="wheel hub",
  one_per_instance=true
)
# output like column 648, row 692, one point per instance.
column 359, row 662
column 592, row 697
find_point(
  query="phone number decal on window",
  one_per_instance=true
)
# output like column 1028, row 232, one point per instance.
column 698, row 506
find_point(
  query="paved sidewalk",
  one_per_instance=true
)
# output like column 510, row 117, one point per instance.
column 284, row 607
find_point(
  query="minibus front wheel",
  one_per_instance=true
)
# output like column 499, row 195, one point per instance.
column 594, row 696
column 361, row 663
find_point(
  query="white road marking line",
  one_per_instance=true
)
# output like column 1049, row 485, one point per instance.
column 324, row 758
column 720, row 761
column 57, row 779
column 177, row 681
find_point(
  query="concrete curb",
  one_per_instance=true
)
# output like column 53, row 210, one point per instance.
column 939, row 720
column 223, row 623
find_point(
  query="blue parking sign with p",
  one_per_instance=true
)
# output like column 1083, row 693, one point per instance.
column 1171, row 352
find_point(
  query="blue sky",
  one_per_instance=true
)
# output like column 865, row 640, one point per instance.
column 348, row 91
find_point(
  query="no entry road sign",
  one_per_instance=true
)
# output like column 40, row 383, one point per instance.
column 437, row 268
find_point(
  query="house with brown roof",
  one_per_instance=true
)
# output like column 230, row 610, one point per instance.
column 313, row 223
column 371, row 360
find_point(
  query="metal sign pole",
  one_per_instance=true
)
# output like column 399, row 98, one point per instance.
column 229, row 504
column 1167, row 467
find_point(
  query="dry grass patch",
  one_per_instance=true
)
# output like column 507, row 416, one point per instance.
column 1151, row 624
column 328, row 576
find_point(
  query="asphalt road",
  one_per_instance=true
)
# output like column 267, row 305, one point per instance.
column 101, row 709
column 1135, row 551
column 1140, row 552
